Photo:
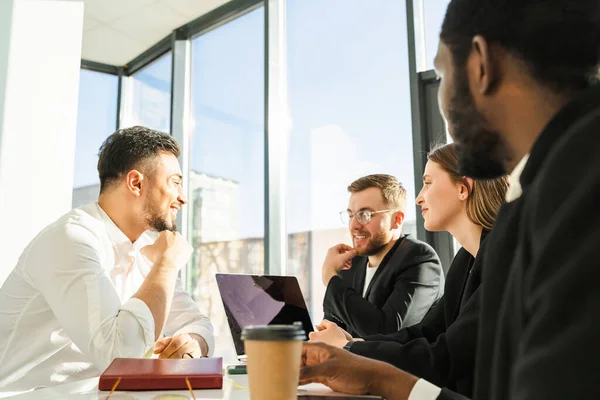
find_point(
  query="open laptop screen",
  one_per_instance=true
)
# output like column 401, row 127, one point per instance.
column 261, row 300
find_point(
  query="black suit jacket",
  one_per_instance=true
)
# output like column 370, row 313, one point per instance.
column 407, row 283
column 441, row 348
column 540, row 296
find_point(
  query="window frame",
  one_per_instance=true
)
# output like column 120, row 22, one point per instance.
column 426, row 121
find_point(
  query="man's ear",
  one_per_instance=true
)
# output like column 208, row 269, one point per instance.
column 483, row 66
column 398, row 219
column 134, row 181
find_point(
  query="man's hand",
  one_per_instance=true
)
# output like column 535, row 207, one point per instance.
column 171, row 248
column 169, row 253
column 345, row 372
column 338, row 258
column 177, row 346
column 328, row 332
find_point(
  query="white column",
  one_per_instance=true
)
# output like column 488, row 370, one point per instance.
column 40, row 53
column 180, row 115
column 420, row 37
column 181, row 100
column 278, row 132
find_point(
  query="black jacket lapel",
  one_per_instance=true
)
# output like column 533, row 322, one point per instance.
column 359, row 269
column 395, row 252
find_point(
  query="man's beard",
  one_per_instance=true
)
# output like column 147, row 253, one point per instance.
column 376, row 244
column 481, row 152
column 156, row 221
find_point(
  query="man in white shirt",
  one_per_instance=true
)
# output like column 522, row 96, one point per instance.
column 94, row 285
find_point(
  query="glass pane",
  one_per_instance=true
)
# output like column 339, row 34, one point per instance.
column 226, row 177
column 433, row 14
column 350, row 103
column 96, row 119
column 151, row 95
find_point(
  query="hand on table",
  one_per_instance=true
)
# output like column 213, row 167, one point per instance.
column 181, row 346
column 328, row 332
column 345, row 372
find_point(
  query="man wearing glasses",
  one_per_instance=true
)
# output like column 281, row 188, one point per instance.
column 388, row 280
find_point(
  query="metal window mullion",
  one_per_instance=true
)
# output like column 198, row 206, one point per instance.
column 419, row 141
column 425, row 121
column 119, row 110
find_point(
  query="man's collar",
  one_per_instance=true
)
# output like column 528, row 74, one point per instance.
column 582, row 104
column 114, row 233
column 514, row 185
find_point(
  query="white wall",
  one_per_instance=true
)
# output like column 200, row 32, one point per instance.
column 40, row 53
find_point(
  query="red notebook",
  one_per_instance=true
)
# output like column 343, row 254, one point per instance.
column 157, row 374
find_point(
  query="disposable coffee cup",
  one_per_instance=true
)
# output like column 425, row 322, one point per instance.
column 273, row 354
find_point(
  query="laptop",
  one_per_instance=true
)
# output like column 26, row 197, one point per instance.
column 261, row 300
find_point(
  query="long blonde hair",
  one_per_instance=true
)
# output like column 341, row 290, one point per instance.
column 485, row 197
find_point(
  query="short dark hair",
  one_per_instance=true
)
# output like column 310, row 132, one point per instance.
column 129, row 148
column 558, row 40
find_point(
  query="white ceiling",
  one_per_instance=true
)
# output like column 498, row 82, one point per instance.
column 116, row 31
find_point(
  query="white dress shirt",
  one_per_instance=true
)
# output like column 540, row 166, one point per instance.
column 424, row 390
column 514, row 181
column 66, row 309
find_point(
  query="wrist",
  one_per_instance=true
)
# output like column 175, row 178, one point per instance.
column 201, row 342
column 166, row 263
column 328, row 276
column 391, row 383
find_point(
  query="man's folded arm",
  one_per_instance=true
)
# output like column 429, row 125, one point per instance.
column 362, row 316
column 432, row 325
column 443, row 362
column 65, row 265
column 365, row 318
column 185, row 317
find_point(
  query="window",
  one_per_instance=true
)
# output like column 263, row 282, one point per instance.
column 150, row 96
column 349, row 98
column 226, row 177
column 433, row 12
column 96, row 119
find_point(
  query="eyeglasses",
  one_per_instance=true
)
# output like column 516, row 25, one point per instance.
column 363, row 217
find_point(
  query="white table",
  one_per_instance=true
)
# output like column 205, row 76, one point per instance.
column 88, row 390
